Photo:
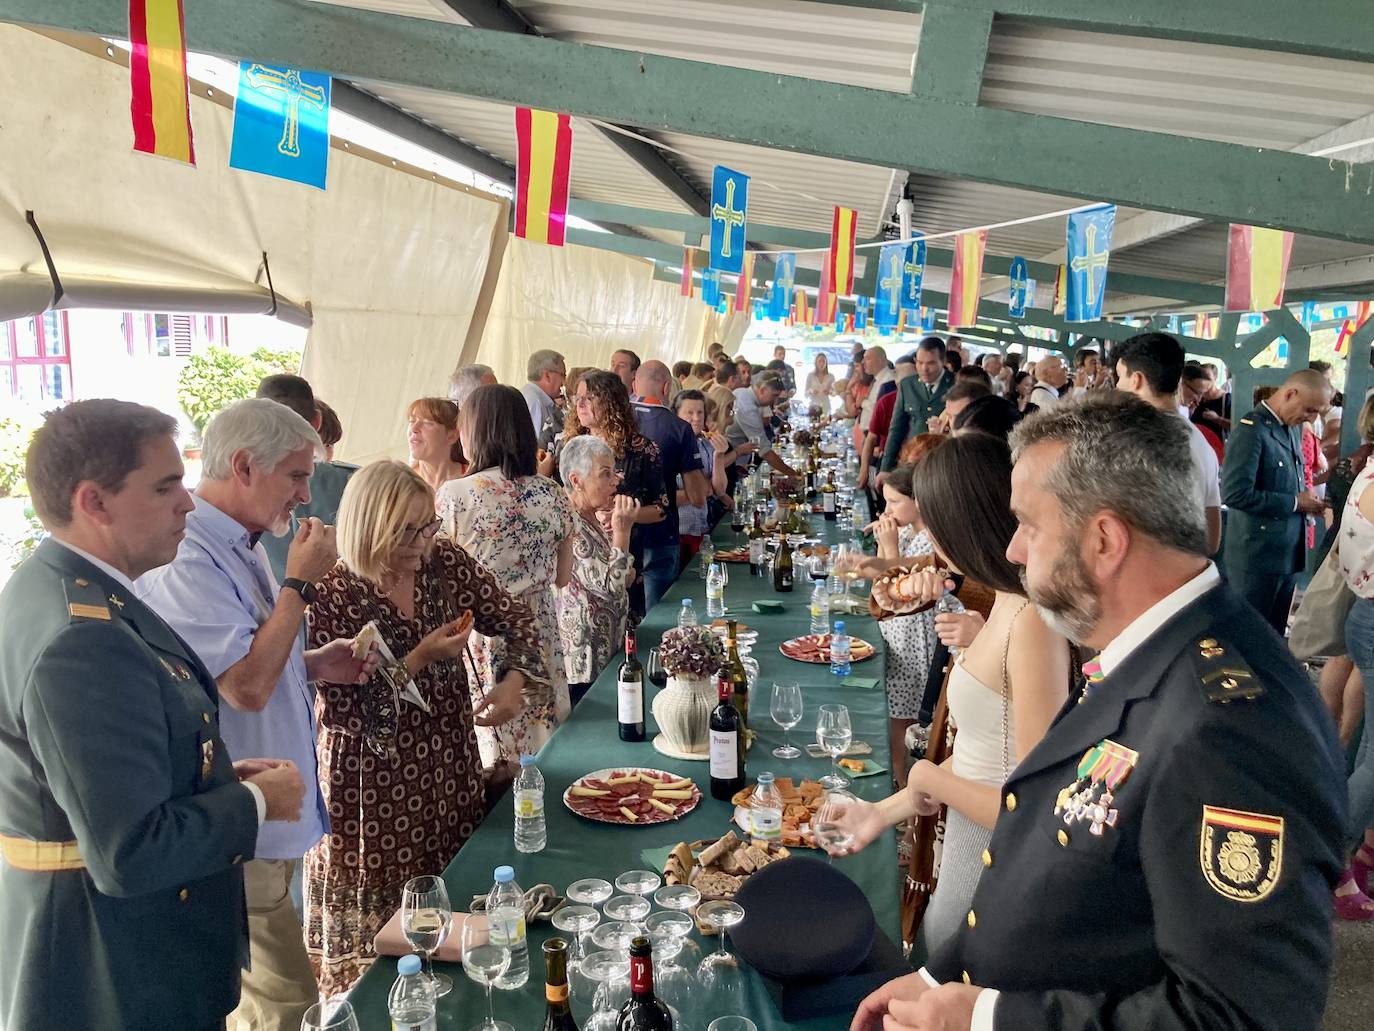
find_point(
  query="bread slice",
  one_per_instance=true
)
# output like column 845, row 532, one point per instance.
column 713, row 852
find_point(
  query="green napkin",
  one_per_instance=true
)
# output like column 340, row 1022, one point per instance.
column 868, row 683
column 871, row 769
column 768, row 606
column 656, row 858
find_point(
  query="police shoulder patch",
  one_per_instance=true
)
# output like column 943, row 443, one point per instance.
column 1241, row 853
column 1222, row 673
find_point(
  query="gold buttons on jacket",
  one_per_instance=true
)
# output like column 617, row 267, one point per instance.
column 1011, row 802
column 987, row 858
column 972, row 919
column 1064, row 838
column 205, row 717
column 183, row 894
column 967, row 979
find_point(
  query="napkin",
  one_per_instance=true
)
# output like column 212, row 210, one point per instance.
column 863, row 682
column 391, row 940
column 655, row 858
column 768, row 606
column 871, row 769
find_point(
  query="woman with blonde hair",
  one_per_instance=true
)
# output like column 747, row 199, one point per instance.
column 398, row 759
column 432, row 433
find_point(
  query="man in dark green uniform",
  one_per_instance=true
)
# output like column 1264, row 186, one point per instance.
column 328, row 480
column 1164, row 858
column 123, row 822
column 920, row 398
column 1266, row 497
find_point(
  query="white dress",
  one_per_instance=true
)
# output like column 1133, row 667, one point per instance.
column 910, row 643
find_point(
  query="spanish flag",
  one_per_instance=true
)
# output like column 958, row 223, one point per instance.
column 841, row 258
column 687, row 260
column 1256, row 267
column 803, row 307
column 544, row 153
column 745, row 285
column 1349, row 326
column 824, row 297
column 160, row 104
column 966, row 285
column 1061, row 290
column 1204, row 326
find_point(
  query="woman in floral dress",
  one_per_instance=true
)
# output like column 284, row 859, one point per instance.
column 403, row 785
column 519, row 526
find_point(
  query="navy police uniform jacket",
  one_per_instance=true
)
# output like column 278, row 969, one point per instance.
column 1260, row 478
column 122, row 825
column 1164, row 858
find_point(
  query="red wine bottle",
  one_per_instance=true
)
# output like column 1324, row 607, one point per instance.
column 558, row 1012
column 630, row 693
column 644, row 1011
column 727, row 743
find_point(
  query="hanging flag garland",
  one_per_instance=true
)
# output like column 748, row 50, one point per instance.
column 913, row 273
column 729, row 211
column 1256, row 268
column 784, row 274
column 543, row 159
column 1349, row 326
column 1089, row 248
column 887, row 302
column 824, row 297
column 1017, row 298
column 803, row 306
column 842, row 230
column 685, row 289
column 966, row 285
column 860, row 313
column 281, row 123
column 744, row 288
column 160, row 103
column 710, row 287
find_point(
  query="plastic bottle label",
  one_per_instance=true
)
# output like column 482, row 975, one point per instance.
column 630, row 701
column 507, row 927
column 529, row 804
column 724, row 754
column 766, row 823
column 429, row 1024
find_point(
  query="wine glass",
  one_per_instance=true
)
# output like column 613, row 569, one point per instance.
column 615, row 936
column 737, row 523
column 484, row 962
column 331, row 1015
column 834, row 734
column 628, row 909
column 610, row 972
column 818, row 565
column 638, row 882
column 576, row 921
column 720, row 971
column 829, row 832
column 658, row 676
column 673, row 983
column 675, row 924
column 732, row 1023
column 786, row 709
column 425, row 918
column 590, row 891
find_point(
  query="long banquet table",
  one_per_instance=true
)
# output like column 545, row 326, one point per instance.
column 589, row 741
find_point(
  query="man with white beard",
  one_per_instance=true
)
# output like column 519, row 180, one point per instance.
column 1164, row 858
column 220, row 596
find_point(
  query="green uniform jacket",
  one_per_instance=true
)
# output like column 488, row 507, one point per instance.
column 917, row 403
column 109, row 736
column 1260, row 481
column 327, row 484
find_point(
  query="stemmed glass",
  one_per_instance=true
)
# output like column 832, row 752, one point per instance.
column 610, row 972
column 628, row 909
column 737, row 523
column 658, row 676
column 828, row 827
column 330, row 1015
column 577, row 921
column 845, row 555
column 834, row 734
column 425, row 919
column 616, row 936
column 590, row 891
column 485, row 962
column 786, row 710
column 720, row 970
column 638, row 882
column 673, row 983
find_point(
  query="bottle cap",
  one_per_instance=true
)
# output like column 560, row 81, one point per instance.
column 504, row 874
column 765, row 778
column 408, row 965
column 527, row 760
column 686, row 603
column 839, row 626
column 715, row 567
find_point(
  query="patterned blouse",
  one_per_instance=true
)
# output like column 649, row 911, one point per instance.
column 1357, row 539
column 593, row 607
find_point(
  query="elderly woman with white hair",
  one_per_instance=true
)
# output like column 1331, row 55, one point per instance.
column 594, row 606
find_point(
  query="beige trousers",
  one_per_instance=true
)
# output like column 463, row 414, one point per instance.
column 280, row 986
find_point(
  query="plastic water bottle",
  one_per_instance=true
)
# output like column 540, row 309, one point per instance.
column 531, row 834
column 687, row 615
column 506, row 926
column 411, row 1002
column 707, row 552
column 839, row 650
column 715, row 592
column 820, row 607
column 765, row 810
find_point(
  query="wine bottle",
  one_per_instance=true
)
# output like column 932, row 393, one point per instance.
column 727, row 743
column 782, row 567
column 644, row 1011
column 811, row 474
column 557, row 1010
column 630, row 693
column 757, row 545
column 739, row 677
column 830, row 495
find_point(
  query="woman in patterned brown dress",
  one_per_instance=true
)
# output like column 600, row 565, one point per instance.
column 403, row 786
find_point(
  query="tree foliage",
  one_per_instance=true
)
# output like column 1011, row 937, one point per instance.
column 217, row 377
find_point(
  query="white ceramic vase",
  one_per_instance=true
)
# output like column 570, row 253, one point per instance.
column 682, row 711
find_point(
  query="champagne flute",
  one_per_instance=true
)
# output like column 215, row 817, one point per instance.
column 484, row 962
column 834, row 734
column 425, row 919
column 331, row 1015
column 786, row 709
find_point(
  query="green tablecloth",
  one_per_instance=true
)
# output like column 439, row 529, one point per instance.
column 589, row 741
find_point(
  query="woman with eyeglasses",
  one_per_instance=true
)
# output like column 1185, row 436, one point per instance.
column 398, row 759
column 519, row 525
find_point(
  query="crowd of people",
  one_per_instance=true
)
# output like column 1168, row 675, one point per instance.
column 332, row 671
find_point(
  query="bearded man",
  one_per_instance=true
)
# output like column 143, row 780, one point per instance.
column 1164, row 858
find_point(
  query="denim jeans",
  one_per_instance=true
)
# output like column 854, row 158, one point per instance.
column 660, row 570
column 1359, row 642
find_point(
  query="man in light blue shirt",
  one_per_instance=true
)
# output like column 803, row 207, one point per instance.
column 220, row 594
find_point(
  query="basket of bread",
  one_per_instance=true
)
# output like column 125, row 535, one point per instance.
column 718, row 868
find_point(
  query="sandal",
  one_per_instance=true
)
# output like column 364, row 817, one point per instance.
column 1354, row 905
column 1362, row 866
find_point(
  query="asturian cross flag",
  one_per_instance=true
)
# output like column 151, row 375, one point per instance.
column 1089, row 245
column 887, row 302
column 784, row 275
column 281, row 123
column 913, row 272
column 729, row 210
column 860, row 313
column 710, row 287
column 1020, row 289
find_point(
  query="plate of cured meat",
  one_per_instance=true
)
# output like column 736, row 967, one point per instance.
column 632, row 796
column 816, row 648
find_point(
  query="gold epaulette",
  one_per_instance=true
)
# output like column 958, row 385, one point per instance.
column 1223, row 675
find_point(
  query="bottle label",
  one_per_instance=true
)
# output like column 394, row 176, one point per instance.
column 724, row 754
column 556, row 992
column 428, row 1024
column 766, row 823
column 641, row 975
column 756, row 551
column 828, row 502
column 506, row 926
column 630, row 701
column 529, row 804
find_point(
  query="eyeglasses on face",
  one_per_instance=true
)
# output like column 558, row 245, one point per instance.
column 410, row 534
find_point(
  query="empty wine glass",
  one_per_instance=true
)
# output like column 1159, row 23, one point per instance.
column 673, row 983
column 680, row 897
column 834, row 734
column 638, row 882
column 830, row 833
column 484, row 962
column 628, row 909
column 590, row 891
column 610, row 972
column 425, row 918
column 658, row 676
column 732, row 1023
column 679, row 925
column 577, row 921
column 616, row 936
column 331, row 1015
column 719, row 971
column 786, row 709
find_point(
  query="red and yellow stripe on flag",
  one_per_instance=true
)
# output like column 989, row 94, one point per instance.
column 744, row 287
column 825, row 295
column 543, row 158
column 159, row 105
column 687, row 261
column 803, row 307
column 1256, row 268
column 1061, row 290
column 1349, row 326
column 966, row 285
column 841, row 257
